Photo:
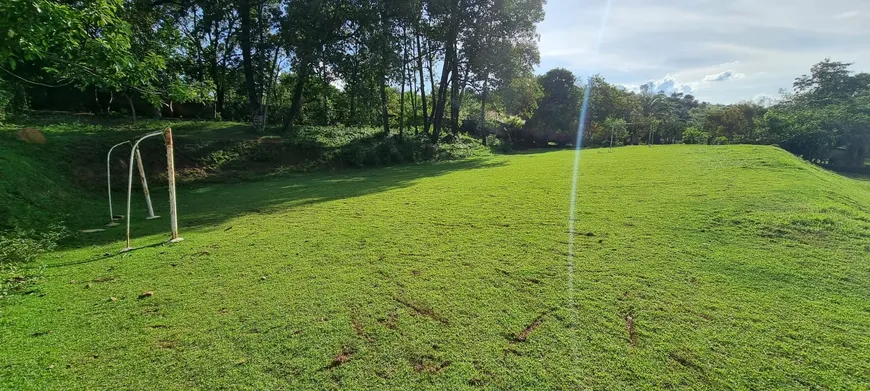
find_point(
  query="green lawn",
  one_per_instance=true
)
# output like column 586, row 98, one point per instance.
column 741, row 267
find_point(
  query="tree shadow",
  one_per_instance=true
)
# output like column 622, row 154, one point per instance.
column 537, row 151
column 109, row 255
column 209, row 205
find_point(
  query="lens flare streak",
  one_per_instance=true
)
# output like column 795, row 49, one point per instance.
column 574, row 182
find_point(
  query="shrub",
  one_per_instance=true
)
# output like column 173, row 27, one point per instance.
column 694, row 136
column 498, row 145
column 6, row 97
column 514, row 123
column 721, row 140
column 20, row 246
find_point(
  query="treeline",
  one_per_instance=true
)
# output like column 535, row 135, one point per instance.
column 391, row 63
column 431, row 68
column 826, row 119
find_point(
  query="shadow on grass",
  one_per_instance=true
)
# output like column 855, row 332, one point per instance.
column 107, row 255
column 537, row 151
column 204, row 206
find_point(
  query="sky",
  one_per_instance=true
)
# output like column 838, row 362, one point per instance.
column 721, row 51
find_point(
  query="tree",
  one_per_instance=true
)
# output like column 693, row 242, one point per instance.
column 74, row 40
column 316, row 32
column 829, row 110
column 828, row 82
column 520, row 96
column 559, row 107
column 617, row 131
column 81, row 43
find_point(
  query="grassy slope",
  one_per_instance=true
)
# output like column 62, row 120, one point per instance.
column 741, row 267
column 33, row 191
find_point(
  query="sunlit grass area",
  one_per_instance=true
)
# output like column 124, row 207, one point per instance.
column 699, row 267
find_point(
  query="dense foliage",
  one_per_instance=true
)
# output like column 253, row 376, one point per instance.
column 313, row 62
column 423, row 67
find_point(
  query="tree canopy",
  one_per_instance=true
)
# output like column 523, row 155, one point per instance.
column 423, row 66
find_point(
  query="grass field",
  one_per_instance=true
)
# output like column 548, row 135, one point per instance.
column 740, row 267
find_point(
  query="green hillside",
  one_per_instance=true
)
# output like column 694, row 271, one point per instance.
column 738, row 267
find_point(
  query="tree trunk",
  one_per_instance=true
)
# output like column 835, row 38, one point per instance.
column 324, row 95
column 350, row 88
column 352, row 117
column 432, row 90
column 297, row 99
column 213, row 65
column 413, row 99
column 454, row 94
column 449, row 65
column 219, row 101
column 97, row 101
column 402, row 92
column 384, row 113
column 132, row 106
column 441, row 102
column 273, row 78
column 247, row 61
column 481, row 125
column 384, row 47
column 422, row 86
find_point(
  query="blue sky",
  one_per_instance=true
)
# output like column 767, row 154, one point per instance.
column 721, row 51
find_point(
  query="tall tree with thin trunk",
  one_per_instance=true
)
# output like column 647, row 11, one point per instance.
column 247, row 60
column 422, row 82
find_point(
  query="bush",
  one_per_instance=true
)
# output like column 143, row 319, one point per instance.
column 498, row 145
column 514, row 123
column 694, row 136
column 721, row 140
column 18, row 246
column 17, row 249
column 5, row 101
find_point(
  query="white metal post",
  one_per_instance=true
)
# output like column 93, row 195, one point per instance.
column 145, row 186
column 130, row 184
column 611, row 138
column 170, row 168
column 112, row 222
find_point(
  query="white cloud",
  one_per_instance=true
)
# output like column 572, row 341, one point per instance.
column 667, row 84
column 847, row 14
column 765, row 99
column 689, row 44
column 724, row 75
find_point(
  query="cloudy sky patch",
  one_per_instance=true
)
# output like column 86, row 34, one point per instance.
column 720, row 51
column 722, row 76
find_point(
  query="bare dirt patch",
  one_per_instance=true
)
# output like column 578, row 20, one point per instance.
column 358, row 328
column 343, row 357
column 524, row 335
column 428, row 364
column 422, row 310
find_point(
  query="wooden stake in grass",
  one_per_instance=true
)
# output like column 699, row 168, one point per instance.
column 170, row 168
column 141, row 167
column 632, row 333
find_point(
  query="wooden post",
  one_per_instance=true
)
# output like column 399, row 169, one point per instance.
column 170, row 168
column 145, row 186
